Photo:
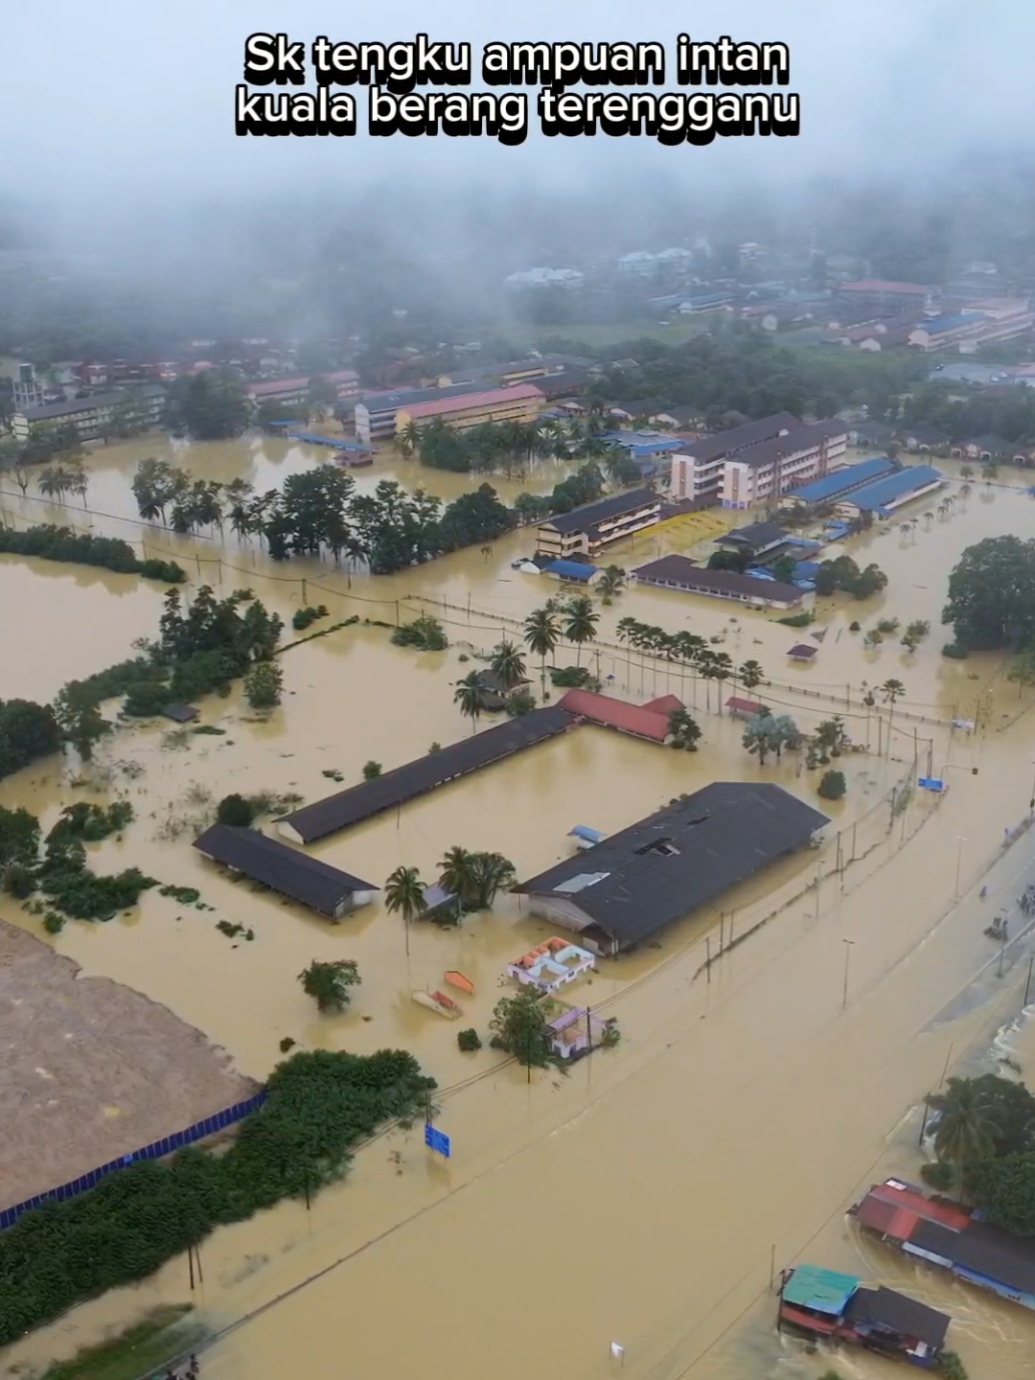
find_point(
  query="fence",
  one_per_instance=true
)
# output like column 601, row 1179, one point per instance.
column 154, row 1151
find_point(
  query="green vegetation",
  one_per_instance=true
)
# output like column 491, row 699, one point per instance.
column 209, row 406
column 986, row 1136
column 519, row 702
column 832, row 786
column 185, row 895
column 612, row 582
column 471, row 697
column 232, row 931
column 580, row 623
column 507, row 665
column 235, row 811
column 371, row 770
column 425, row 633
column 914, row 634
column 263, row 685
column 685, row 730
column 476, row 878
column 951, row 1367
column 541, row 635
column 844, row 574
column 765, row 733
column 27, row 731
column 938, row 1174
column 468, row 1040
column 572, row 677
column 319, row 1105
column 63, row 544
column 798, row 620
column 520, row 1028
column 887, row 626
column 303, row 618
column 166, row 1332
column 992, row 595
column 330, row 984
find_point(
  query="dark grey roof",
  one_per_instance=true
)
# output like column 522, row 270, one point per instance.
column 685, row 855
column 984, row 1249
column 590, row 515
column 426, row 773
column 681, row 572
column 76, row 405
column 737, row 438
column 180, row 713
column 294, row 874
column 755, row 535
column 796, row 440
column 897, row 1313
column 403, row 397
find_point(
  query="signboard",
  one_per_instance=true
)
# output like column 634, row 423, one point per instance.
column 437, row 1140
column 930, row 783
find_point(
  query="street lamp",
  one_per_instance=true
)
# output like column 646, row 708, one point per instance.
column 848, row 954
column 961, row 840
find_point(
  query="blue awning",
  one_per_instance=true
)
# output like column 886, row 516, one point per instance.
column 583, row 831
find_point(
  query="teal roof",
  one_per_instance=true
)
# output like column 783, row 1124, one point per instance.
column 824, row 1291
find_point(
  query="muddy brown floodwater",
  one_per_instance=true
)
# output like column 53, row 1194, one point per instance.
column 642, row 1198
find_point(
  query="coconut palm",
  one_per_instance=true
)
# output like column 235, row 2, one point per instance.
column 457, row 874
column 470, row 696
column 490, row 873
column 612, row 582
column 968, row 1130
column 54, row 482
column 581, row 625
column 891, row 691
column 722, row 669
column 541, row 638
column 409, row 439
column 751, row 674
column 756, row 736
column 966, row 471
column 684, row 729
column 404, row 894
column 508, row 665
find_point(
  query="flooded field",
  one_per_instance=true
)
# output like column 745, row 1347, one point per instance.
column 643, row 1198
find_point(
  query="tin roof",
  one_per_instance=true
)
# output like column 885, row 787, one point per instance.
column 824, row 1291
column 612, row 713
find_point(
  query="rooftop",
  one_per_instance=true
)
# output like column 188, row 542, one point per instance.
column 403, row 397
column 894, row 486
column 667, row 865
column 842, row 480
column 684, row 574
column 822, row 1291
column 738, row 437
column 96, row 400
column 880, row 285
column 640, row 720
column 294, row 874
column 357, row 803
column 589, row 515
column 491, row 398
column 890, row 1310
column 755, row 535
column 937, row 324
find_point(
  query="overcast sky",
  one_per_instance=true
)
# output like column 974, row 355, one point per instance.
column 117, row 101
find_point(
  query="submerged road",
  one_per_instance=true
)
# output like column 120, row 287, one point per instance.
column 644, row 1198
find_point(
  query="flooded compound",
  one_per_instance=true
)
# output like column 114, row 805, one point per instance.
column 647, row 1196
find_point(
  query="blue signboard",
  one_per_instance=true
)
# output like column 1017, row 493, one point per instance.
column 437, row 1140
column 930, row 783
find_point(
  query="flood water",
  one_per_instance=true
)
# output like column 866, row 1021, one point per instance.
column 643, row 1198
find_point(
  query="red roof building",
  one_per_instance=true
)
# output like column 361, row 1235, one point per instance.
column 639, row 720
column 664, row 704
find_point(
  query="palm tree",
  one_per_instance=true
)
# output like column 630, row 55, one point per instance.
column 490, row 874
column 404, row 893
column 756, row 736
column 892, row 690
column 706, row 670
column 684, row 729
column 457, row 873
column 722, row 669
column 470, row 696
column 409, row 439
column 612, row 582
column 968, row 1130
column 508, row 665
column 53, row 482
column 966, row 471
column 928, row 519
column 541, row 637
column 751, row 674
column 582, row 623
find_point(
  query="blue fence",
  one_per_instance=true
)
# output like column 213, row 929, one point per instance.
column 154, row 1151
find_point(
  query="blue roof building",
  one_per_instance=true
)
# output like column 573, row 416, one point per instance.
column 839, row 482
column 571, row 570
column 641, row 444
column 883, row 497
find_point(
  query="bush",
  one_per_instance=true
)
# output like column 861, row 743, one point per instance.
column 286, row 1043
column 469, row 1040
column 520, row 702
column 798, row 620
column 956, row 651
column 51, row 543
column 854, row 625
column 146, row 700
column 832, row 786
column 425, row 633
column 571, row 677
column 319, row 1104
column 235, row 811
column 371, row 770
column 950, row 1365
column 330, row 984
column 938, row 1174
column 263, row 685
column 304, row 617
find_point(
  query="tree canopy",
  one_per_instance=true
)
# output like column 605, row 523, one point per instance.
column 992, row 594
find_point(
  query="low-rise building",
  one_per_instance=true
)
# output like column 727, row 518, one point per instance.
column 375, row 415
column 622, row 891
column 295, row 390
column 545, row 279
column 97, row 416
column 879, row 295
column 679, row 572
column 522, row 403
column 586, row 530
column 839, row 482
column 892, row 492
column 979, row 323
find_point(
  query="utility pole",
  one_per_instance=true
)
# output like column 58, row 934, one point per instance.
column 1027, row 985
column 961, row 840
column 708, row 950
column 848, row 954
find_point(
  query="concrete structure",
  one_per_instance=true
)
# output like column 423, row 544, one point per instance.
column 94, row 417
column 586, row 530
column 28, row 390
column 679, row 572
column 376, row 414
column 979, row 323
column 539, row 279
column 296, row 390
column 288, row 871
column 551, row 965
column 574, row 1031
column 754, row 540
column 522, row 403
column 877, row 295
column 889, row 494
column 697, row 469
column 764, row 472
column 839, row 482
